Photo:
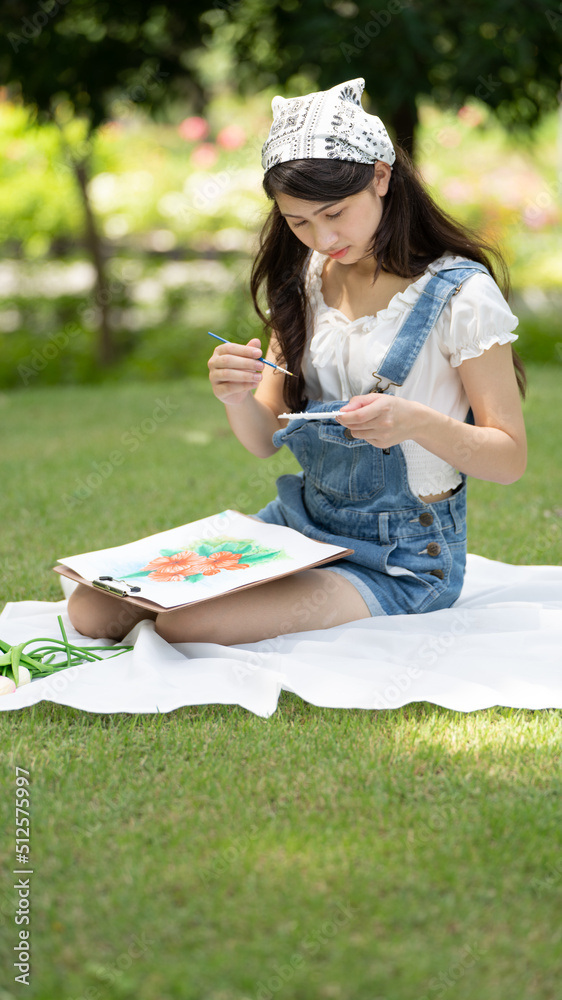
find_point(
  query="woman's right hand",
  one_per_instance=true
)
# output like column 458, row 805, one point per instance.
column 234, row 370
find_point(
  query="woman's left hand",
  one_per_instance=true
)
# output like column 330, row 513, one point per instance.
column 382, row 420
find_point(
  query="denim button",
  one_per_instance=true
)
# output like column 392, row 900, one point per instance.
column 347, row 434
column 437, row 572
column 426, row 518
column 433, row 549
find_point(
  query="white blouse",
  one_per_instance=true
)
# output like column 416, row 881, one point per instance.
column 341, row 354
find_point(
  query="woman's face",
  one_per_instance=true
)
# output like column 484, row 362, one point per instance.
column 341, row 229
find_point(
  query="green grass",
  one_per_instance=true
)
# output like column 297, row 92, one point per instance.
column 208, row 854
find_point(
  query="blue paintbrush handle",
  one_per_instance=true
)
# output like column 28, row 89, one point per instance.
column 270, row 363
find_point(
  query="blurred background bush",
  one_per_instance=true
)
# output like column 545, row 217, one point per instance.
column 131, row 200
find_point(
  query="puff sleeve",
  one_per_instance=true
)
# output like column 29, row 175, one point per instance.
column 479, row 318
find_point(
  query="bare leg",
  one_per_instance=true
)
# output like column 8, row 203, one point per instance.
column 102, row 616
column 312, row 599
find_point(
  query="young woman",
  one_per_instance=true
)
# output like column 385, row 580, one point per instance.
column 386, row 309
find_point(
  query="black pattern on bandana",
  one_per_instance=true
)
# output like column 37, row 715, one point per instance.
column 330, row 124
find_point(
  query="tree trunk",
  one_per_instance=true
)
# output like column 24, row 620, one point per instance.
column 405, row 119
column 106, row 346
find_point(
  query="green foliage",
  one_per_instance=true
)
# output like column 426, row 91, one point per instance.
column 405, row 50
column 39, row 200
column 180, row 236
column 145, row 177
column 93, row 60
column 540, row 339
column 85, row 57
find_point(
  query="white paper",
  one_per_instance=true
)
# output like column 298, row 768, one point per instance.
column 331, row 415
column 274, row 551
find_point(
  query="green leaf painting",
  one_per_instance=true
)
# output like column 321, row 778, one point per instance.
column 206, row 558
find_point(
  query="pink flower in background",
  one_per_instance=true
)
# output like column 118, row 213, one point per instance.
column 205, row 156
column 16, row 150
column 111, row 129
column 193, row 129
column 448, row 137
column 537, row 218
column 512, row 185
column 231, row 137
column 470, row 115
column 457, row 191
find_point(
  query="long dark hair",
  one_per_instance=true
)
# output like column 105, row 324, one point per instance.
column 413, row 232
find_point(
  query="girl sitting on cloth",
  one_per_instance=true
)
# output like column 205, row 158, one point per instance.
column 386, row 308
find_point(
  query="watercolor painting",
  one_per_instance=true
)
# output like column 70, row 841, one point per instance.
column 205, row 559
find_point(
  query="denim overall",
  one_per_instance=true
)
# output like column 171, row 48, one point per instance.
column 409, row 556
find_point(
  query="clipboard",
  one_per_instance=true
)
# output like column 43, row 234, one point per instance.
column 287, row 548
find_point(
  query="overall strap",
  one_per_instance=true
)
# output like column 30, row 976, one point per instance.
column 406, row 346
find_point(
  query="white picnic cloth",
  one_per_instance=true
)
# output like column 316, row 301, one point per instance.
column 500, row 644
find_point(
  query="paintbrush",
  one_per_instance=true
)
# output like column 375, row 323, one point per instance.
column 270, row 363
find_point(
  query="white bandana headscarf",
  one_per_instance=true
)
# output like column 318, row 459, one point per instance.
column 330, row 124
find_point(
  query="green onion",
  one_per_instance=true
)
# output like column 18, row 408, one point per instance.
column 40, row 661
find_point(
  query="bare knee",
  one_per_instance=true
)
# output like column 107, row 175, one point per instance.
column 199, row 623
column 174, row 627
column 101, row 616
column 82, row 613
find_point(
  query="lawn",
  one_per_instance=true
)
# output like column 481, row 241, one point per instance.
column 209, row 854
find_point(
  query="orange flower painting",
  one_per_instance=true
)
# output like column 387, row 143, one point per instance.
column 175, row 568
column 205, row 558
column 224, row 560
